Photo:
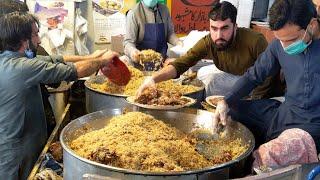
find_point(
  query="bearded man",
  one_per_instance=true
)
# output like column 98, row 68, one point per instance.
column 232, row 49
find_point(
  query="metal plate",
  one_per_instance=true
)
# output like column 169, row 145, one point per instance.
column 210, row 98
column 161, row 107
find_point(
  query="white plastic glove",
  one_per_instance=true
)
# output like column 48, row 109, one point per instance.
column 135, row 56
column 148, row 82
column 221, row 115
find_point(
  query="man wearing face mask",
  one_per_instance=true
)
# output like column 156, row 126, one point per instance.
column 232, row 49
column 149, row 26
column 23, row 131
column 8, row 6
column 296, row 52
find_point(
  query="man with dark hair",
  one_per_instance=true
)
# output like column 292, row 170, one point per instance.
column 9, row 6
column 296, row 52
column 22, row 121
column 232, row 49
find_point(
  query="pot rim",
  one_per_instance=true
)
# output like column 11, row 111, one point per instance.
column 91, row 80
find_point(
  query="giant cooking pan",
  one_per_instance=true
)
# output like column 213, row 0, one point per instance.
column 185, row 120
column 97, row 100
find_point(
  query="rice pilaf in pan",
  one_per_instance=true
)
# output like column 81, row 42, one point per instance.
column 138, row 141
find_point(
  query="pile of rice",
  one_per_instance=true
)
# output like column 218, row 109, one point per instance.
column 137, row 141
column 150, row 55
column 136, row 80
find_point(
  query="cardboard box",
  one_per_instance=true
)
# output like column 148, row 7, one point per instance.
column 117, row 43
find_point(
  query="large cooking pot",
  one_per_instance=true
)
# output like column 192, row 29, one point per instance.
column 185, row 120
column 96, row 101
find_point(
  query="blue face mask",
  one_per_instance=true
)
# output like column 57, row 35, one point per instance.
column 150, row 3
column 28, row 52
column 297, row 47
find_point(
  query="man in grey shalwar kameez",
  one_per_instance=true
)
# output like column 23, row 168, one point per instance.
column 22, row 119
column 148, row 26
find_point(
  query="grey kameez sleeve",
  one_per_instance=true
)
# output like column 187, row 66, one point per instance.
column 266, row 65
column 37, row 71
column 52, row 58
column 131, row 35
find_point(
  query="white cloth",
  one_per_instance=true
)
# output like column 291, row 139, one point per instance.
column 81, row 29
column 216, row 81
column 59, row 35
column 188, row 42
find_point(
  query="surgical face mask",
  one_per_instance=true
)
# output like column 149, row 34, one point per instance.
column 28, row 52
column 298, row 46
column 150, row 3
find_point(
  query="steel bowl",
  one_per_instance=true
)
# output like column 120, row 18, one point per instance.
column 97, row 100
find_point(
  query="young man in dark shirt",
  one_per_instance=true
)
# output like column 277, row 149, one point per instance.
column 296, row 52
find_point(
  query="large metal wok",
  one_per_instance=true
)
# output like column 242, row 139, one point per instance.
column 185, row 120
column 96, row 100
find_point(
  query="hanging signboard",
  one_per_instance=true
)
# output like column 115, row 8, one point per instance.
column 188, row 15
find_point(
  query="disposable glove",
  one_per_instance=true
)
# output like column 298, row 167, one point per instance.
column 221, row 115
column 148, row 82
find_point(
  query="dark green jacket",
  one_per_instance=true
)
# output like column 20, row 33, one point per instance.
column 241, row 55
